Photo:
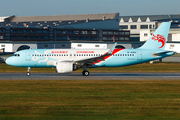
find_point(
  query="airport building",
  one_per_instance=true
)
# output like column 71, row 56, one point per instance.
column 143, row 26
column 59, row 31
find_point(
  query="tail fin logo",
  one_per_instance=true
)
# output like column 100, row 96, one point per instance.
column 160, row 38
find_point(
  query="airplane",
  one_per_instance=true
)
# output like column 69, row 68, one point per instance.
column 69, row 60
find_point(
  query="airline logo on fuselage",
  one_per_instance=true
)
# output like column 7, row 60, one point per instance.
column 59, row 51
column 84, row 51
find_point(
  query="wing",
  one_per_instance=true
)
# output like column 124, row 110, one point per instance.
column 93, row 60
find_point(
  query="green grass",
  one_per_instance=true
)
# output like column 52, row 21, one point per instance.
column 145, row 67
column 89, row 99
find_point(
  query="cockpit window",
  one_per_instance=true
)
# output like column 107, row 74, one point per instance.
column 16, row 55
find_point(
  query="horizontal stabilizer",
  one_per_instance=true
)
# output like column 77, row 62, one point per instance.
column 161, row 53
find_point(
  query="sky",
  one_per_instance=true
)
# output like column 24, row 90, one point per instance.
column 72, row 7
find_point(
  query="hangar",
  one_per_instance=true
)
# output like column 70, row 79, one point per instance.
column 141, row 28
column 59, row 31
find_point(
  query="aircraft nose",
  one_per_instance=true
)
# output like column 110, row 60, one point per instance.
column 10, row 61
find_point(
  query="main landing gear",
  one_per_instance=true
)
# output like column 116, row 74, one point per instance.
column 85, row 73
column 28, row 72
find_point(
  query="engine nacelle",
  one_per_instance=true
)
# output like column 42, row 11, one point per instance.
column 64, row 67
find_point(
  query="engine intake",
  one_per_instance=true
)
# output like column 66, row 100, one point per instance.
column 65, row 67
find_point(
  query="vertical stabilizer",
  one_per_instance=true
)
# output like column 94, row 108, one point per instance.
column 159, row 38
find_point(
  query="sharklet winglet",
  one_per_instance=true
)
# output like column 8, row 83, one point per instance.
column 112, row 49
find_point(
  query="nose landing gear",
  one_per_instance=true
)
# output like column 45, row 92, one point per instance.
column 28, row 72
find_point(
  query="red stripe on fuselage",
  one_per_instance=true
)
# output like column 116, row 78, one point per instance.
column 114, row 52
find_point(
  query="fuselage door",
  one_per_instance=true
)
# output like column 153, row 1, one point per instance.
column 28, row 56
column 139, row 55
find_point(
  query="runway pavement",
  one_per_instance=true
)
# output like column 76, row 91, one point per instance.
column 92, row 76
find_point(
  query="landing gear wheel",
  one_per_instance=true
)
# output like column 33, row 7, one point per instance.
column 28, row 73
column 85, row 73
